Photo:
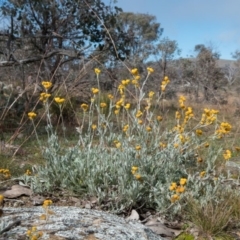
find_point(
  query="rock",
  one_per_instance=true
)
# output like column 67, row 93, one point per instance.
column 73, row 223
column 17, row 191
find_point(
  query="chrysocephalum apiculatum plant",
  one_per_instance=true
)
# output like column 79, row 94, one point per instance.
column 126, row 156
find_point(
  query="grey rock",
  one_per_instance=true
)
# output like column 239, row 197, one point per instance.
column 73, row 223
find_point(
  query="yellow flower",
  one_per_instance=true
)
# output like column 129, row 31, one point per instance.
column 44, row 96
column 118, row 145
column 159, row 118
column 29, row 232
column 175, row 198
column 116, row 111
column 177, row 115
column 138, row 176
column 227, row 154
column 127, row 106
column 163, row 87
column 237, row 149
column 151, row 94
column 199, row 132
column 125, row 128
column 95, row 90
column 84, row 107
column 224, row 128
column 32, row 115
column 47, row 203
column 134, row 71
column 138, row 114
column 125, row 82
column 103, row 105
column 180, row 189
column 206, row 145
column 175, row 145
column 110, row 96
column 97, row 71
column 135, row 82
column 59, row 100
column 138, row 147
column 162, row 145
column 137, row 77
column 149, row 129
column 150, row 70
column 202, row 174
column 134, row 169
column 46, row 84
column 28, row 172
column 173, row 186
column 94, row 126
column 183, row 181
column 140, row 122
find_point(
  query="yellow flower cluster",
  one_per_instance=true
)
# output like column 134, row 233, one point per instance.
column 125, row 128
column 199, row 132
column 28, row 172
column 139, row 114
column 227, row 155
column 188, row 114
column 149, row 129
column 84, row 107
column 181, row 102
column 46, row 85
column 127, row 106
column 164, row 83
column 59, row 100
column 95, row 91
column 162, row 145
column 209, row 116
column 110, row 96
column 32, row 115
column 94, row 127
column 117, row 144
column 44, row 97
column 33, row 234
column 178, row 128
column 103, row 105
column 97, row 71
column 178, row 188
column 159, row 118
column 136, row 76
column 134, row 72
column 47, row 203
column 134, row 170
column 202, row 174
column 223, row 129
column 138, row 147
column 5, row 173
column 177, row 115
column 150, row 70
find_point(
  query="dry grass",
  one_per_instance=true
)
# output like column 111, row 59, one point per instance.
column 217, row 218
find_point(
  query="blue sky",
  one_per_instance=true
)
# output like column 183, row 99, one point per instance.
column 191, row 22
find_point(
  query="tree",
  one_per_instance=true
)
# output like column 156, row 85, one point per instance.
column 167, row 49
column 57, row 32
column 208, row 74
column 142, row 32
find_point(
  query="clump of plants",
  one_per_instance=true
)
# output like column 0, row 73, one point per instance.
column 128, row 156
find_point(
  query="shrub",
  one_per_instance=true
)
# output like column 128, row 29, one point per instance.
column 129, row 157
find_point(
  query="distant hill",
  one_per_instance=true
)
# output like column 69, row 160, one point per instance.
column 223, row 62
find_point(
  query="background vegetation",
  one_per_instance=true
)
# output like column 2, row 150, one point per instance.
column 107, row 68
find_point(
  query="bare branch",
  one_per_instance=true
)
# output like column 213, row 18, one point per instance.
column 59, row 52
